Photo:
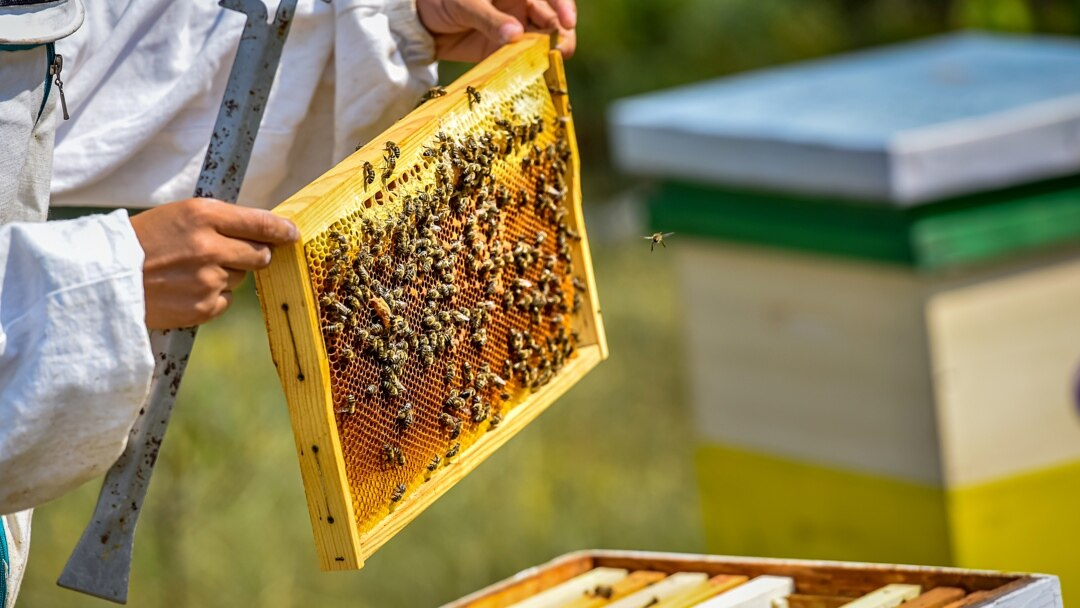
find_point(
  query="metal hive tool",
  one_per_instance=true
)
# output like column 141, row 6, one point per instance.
column 440, row 298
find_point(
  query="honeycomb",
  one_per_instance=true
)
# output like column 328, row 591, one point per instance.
column 449, row 295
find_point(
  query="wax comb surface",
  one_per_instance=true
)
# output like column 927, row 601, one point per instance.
column 440, row 298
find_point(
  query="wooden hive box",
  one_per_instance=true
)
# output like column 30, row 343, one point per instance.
column 814, row 584
column 442, row 287
column 880, row 286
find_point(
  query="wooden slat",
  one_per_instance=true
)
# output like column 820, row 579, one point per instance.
column 664, row 589
column 813, row 578
column 695, row 595
column 573, row 588
column 758, row 593
column 974, row 599
column 935, row 598
column 622, row 588
column 889, row 596
column 797, row 600
column 293, row 329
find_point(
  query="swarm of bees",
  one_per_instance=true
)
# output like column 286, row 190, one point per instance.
column 435, row 317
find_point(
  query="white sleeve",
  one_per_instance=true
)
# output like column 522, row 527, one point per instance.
column 144, row 79
column 383, row 62
column 75, row 361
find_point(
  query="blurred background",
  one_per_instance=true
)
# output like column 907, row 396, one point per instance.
column 619, row 461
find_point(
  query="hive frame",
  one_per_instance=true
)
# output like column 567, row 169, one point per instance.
column 294, row 331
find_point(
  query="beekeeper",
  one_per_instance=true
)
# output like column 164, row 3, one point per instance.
column 141, row 87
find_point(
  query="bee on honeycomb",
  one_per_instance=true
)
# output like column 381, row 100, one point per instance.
column 438, row 317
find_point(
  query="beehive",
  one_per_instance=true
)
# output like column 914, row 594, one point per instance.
column 440, row 298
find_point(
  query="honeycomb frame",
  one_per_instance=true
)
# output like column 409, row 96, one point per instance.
column 308, row 360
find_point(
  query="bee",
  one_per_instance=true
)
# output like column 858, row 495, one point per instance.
column 399, row 493
column 479, row 337
column 496, row 420
column 541, row 236
column 453, row 451
column 657, row 238
column 427, row 355
column 371, row 390
column 392, row 150
column 369, row 174
column 603, row 591
column 452, row 423
column 350, row 405
column 392, row 454
column 404, row 417
column 431, row 93
column 454, row 402
column 473, row 94
column 332, row 329
column 450, row 375
column 391, row 385
column 467, row 371
column 480, row 411
column 434, row 464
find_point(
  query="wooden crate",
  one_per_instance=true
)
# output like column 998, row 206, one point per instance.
column 364, row 455
column 817, row 583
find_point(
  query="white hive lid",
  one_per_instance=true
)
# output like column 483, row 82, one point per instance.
column 899, row 125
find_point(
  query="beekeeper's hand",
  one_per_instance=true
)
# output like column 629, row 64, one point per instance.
column 469, row 30
column 198, row 251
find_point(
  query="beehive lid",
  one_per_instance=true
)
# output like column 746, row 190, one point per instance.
column 899, row 126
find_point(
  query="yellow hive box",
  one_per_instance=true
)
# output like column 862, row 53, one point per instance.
column 440, row 298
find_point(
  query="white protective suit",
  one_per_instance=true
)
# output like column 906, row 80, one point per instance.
column 146, row 79
column 143, row 80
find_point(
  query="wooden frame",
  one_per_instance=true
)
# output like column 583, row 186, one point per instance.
column 839, row 580
column 293, row 326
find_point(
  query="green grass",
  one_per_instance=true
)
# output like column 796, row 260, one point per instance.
column 225, row 523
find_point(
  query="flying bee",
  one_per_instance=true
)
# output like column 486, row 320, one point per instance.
column 473, row 94
column 657, row 238
column 404, row 417
column 453, row 451
column 369, row 174
column 398, row 493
